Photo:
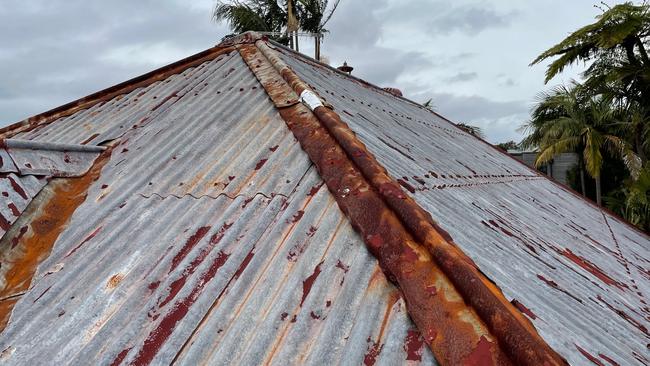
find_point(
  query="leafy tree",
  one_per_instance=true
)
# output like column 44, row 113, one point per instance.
column 616, row 48
column 253, row 15
column 510, row 145
column 575, row 122
column 632, row 201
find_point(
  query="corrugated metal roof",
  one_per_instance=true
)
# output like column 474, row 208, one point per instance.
column 580, row 274
column 207, row 236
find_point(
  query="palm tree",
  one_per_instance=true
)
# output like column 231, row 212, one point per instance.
column 313, row 18
column 472, row 130
column 582, row 124
column 253, row 15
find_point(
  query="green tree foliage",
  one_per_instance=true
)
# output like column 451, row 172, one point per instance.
column 510, row 145
column 472, row 130
column 607, row 115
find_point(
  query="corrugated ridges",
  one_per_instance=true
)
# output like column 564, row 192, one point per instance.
column 136, row 257
column 497, row 210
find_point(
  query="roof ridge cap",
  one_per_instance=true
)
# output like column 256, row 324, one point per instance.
column 515, row 336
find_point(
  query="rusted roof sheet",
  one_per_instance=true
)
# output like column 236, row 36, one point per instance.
column 207, row 236
column 579, row 274
column 16, row 193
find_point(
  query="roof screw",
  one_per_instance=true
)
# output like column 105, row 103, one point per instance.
column 345, row 192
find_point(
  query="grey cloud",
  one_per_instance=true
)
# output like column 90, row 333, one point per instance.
column 467, row 19
column 462, row 77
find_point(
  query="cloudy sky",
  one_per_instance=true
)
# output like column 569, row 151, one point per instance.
column 470, row 56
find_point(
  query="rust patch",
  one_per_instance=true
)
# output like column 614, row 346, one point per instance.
column 45, row 227
column 413, row 251
column 114, row 281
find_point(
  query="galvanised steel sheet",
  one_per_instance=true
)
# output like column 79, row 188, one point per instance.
column 579, row 274
column 207, row 237
column 16, row 192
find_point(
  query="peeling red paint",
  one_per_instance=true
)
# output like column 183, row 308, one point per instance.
column 14, row 209
column 17, row 188
column 297, row 216
column 87, row 239
column 4, row 224
column 413, row 345
column 611, row 362
column 524, row 309
column 374, row 349
column 314, row 189
column 216, row 238
column 592, row 268
column 189, row 245
column 589, row 356
column 274, row 148
column 120, row 357
column 166, row 326
column 309, row 282
column 625, row 316
column 260, row 164
column 342, row 266
column 409, row 187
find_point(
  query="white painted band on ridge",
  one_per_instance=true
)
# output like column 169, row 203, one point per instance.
column 310, row 99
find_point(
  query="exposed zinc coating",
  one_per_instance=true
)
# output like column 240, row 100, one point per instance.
column 578, row 273
column 49, row 159
column 207, row 237
column 16, row 192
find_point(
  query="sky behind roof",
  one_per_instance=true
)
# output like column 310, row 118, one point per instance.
column 471, row 57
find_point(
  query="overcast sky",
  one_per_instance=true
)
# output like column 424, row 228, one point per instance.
column 470, row 56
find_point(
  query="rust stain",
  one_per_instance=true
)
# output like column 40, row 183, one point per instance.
column 5, row 311
column 45, row 228
column 413, row 251
column 114, row 281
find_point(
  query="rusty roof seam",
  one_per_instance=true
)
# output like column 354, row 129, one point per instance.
column 414, row 217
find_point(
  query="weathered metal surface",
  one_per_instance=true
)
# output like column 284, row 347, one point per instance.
column 49, row 159
column 386, row 217
column 30, row 240
column 579, row 274
column 208, row 237
column 16, row 192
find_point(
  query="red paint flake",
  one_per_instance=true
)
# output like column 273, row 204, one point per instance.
column 419, row 180
column 246, row 202
column 66, row 158
column 390, row 189
column 244, row 263
column 328, row 303
column 481, row 355
column 161, row 333
column 314, row 316
column 312, row 231
column 273, row 148
column 17, row 188
column 297, row 216
column 314, row 189
column 523, row 309
column 625, row 316
column 5, row 194
column 189, row 244
column 283, row 316
column 120, row 357
column 592, row 268
column 88, row 238
column 4, row 224
column 260, row 164
column 16, row 240
column 589, row 357
column 309, row 282
column 413, row 345
column 434, row 174
column 14, row 209
column 374, row 349
column 612, row 362
column 41, row 295
column 293, row 320
column 231, row 177
column 125, row 150
column 154, row 285
column 297, row 250
column 342, row 266
column 409, row 187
